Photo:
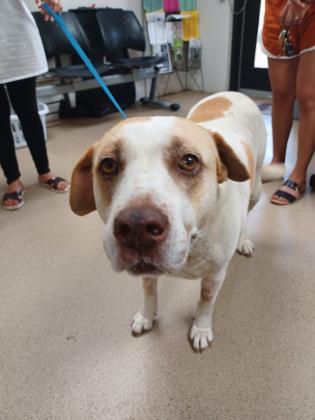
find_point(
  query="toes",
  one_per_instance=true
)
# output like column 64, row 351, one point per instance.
column 193, row 332
column 246, row 248
column 279, row 199
column 137, row 328
column 203, row 344
column 196, row 342
column 201, row 338
column 10, row 202
column 62, row 186
column 140, row 324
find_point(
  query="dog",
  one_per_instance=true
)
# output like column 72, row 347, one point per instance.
column 174, row 195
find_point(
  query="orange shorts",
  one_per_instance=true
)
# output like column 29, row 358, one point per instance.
column 302, row 35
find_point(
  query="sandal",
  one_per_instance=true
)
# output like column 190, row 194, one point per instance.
column 53, row 183
column 290, row 191
column 16, row 196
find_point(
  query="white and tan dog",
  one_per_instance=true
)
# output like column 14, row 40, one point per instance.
column 174, row 195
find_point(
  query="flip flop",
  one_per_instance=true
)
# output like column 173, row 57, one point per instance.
column 290, row 191
column 16, row 196
column 53, row 183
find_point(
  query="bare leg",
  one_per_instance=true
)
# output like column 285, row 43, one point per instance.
column 306, row 140
column 282, row 75
column 245, row 245
column 201, row 333
column 143, row 320
column 306, row 100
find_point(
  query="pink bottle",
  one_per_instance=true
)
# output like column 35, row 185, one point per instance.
column 171, row 6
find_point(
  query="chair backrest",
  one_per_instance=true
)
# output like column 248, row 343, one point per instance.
column 120, row 31
column 54, row 41
column 87, row 18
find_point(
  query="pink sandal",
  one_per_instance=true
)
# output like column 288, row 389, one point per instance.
column 290, row 191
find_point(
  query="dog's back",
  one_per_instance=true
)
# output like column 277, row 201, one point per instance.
column 239, row 121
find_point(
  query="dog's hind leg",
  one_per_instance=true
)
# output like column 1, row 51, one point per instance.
column 245, row 245
column 143, row 320
column 201, row 334
column 256, row 193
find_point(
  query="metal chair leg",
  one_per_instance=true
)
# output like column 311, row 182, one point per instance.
column 153, row 102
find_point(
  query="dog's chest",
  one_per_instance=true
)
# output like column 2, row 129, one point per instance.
column 203, row 258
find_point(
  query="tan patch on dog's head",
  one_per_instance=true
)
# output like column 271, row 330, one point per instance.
column 211, row 109
column 189, row 138
column 175, row 152
column 109, row 147
column 82, row 200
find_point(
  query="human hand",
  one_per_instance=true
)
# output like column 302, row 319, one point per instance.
column 302, row 3
column 291, row 14
column 299, row 3
column 54, row 4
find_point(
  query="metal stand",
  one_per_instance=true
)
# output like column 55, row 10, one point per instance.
column 154, row 103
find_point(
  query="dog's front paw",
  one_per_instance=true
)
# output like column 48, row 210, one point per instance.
column 245, row 247
column 201, row 338
column 140, row 324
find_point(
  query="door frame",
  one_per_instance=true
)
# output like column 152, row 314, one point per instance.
column 243, row 74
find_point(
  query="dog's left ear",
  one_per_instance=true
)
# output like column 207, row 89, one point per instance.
column 229, row 165
column 81, row 193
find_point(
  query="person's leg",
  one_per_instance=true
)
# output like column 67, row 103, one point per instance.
column 306, row 101
column 282, row 75
column 23, row 98
column 306, row 138
column 8, row 159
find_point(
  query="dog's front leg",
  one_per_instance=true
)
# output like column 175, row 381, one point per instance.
column 143, row 320
column 201, row 331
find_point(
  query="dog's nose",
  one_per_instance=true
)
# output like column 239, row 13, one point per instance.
column 140, row 228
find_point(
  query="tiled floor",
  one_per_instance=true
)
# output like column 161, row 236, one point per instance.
column 65, row 347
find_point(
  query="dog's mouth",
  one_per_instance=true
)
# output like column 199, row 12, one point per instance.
column 142, row 267
column 154, row 262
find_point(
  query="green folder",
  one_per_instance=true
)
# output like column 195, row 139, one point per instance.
column 188, row 5
column 152, row 5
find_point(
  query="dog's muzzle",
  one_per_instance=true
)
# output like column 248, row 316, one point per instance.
column 140, row 232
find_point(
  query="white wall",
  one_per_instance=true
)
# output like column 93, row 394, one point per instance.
column 216, row 33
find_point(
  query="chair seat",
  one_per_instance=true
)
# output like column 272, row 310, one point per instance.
column 138, row 62
column 81, row 71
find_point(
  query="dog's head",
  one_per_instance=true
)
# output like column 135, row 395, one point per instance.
column 153, row 181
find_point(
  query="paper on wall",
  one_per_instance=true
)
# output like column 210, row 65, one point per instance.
column 156, row 28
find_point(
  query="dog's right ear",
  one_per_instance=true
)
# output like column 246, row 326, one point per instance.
column 81, row 193
column 229, row 165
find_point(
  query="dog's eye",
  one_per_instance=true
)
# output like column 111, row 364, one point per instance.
column 189, row 163
column 108, row 167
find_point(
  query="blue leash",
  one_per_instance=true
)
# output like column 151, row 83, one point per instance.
column 58, row 19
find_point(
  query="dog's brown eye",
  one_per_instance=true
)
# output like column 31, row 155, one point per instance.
column 108, row 167
column 189, row 163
